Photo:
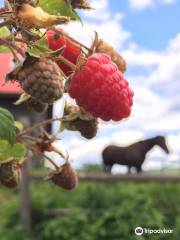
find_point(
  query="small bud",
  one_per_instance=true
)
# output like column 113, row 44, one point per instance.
column 75, row 119
column 81, row 4
column 35, row 17
column 103, row 47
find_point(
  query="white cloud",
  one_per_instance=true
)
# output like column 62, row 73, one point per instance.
column 154, row 76
column 156, row 92
column 108, row 26
column 143, row 4
column 101, row 10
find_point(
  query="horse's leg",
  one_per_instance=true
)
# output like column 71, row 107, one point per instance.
column 129, row 170
column 139, row 169
column 107, row 168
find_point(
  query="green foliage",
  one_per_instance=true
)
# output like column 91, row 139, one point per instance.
column 94, row 168
column 7, row 127
column 58, row 7
column 9, row 149
column 38, row 47
column 11, row 152
column 115, row 211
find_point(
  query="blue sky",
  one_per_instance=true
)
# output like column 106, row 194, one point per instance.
column 152, row 27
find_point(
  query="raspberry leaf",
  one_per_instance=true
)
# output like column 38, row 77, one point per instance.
column 40, row 46
column 59, row 7
column 9, row 152
column 6, row 113
column 7, row 128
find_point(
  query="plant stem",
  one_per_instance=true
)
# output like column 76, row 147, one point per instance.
column 54, row 149
column 67, row 62
column 14, row 55
column 71, row 40
column 38, row 125
column 35, row 151
column 5, row 23
column 51, row 161
column 10, row 44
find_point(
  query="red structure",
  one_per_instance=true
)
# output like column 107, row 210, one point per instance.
column 6, row 65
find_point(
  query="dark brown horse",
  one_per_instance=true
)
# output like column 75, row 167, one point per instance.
column 132, row 155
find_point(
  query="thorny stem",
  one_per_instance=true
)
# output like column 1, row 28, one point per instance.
column 67, row 62
column 70, row 39
column 3, row 9
column 6, row 12
column 10, row 44
column 14, row 55
column 51, row 161
column 38, row 125
column 20, row 40
column 54, row 149
column 29, row 138
column 43, row 155
column 35, row 150
column 95, row 42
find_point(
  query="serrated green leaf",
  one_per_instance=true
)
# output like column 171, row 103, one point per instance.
column 37, row 48
column 59, row 7
column 8, row 152
column 6, row 113
column 7, row 128
column 18, row 151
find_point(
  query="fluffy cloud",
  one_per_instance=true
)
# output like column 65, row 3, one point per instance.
column 154, row 77
column 108, row 25
column 143, row 4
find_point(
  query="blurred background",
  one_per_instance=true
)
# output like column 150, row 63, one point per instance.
column 146, row 34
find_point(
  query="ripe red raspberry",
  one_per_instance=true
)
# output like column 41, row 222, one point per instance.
column 100, row 88
column 71, row 52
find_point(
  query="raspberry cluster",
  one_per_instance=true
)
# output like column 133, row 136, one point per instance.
column 94, row 78
column 98, row 84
